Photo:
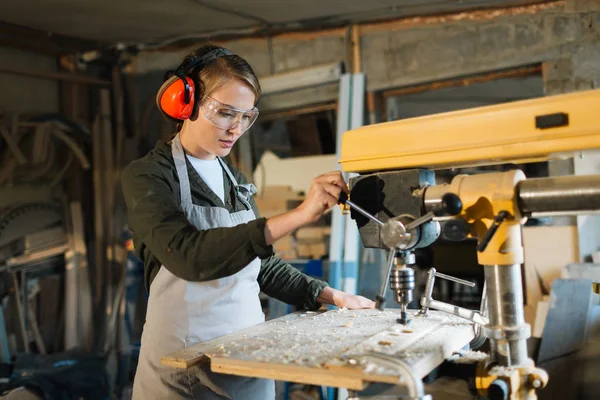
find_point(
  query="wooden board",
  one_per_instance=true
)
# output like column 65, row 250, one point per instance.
column 310, row 347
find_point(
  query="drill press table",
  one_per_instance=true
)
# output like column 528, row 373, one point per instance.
column 309, row 347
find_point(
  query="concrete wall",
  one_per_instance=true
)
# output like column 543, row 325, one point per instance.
column 421, row 50
column 28, row 94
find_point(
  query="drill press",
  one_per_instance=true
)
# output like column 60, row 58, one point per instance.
column 397, row 183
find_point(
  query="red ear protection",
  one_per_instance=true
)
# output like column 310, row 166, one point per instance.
column 176, row 96
column 171, row 97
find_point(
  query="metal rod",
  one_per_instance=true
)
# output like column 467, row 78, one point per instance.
column 564, row 195
column 453, row 279
column 461, row 312
column 381, row 298
column 363, row 212
column 419, row 221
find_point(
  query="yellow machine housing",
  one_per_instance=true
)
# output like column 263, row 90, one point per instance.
column 520, row 131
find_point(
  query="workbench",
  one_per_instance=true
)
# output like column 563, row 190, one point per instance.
column 315, row 347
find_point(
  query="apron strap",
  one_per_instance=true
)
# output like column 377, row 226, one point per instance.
column 243, row 192
column 182, row 174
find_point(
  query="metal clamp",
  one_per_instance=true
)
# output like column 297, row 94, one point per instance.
column 428, row 302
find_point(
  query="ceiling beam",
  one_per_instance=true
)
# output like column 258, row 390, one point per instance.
column 62, row 76
column 23, row 38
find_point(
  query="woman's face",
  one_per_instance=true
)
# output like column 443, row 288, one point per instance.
column 206, row 140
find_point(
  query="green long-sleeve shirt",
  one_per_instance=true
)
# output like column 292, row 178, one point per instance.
column 162, row 234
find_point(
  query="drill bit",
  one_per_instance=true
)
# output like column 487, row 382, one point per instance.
column 404, row 319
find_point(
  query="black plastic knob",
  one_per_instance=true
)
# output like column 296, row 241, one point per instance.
column 456, row 230
column 343, row 198
column 498, row 390
column 451, row 205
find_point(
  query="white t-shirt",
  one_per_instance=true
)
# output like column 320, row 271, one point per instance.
column 211, row 172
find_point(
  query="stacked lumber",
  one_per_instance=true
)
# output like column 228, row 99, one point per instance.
column 312, row 241
column 277, row 199
column 306, row 242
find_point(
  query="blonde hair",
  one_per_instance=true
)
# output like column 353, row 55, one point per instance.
column 209, row 78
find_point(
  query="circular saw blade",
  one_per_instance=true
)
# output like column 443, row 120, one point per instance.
column 21, row 220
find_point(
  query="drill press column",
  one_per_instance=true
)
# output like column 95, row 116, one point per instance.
column 507, row 329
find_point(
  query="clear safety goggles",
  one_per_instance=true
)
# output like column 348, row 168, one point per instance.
column 226, row 117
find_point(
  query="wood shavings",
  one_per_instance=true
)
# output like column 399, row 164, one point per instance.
column 502, row 371
column 469, row 356
column 315, row 340
column 407, row 330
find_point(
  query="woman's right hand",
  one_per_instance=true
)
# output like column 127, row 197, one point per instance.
column 323, row 194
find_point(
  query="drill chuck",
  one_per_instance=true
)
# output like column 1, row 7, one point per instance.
column 402, row 282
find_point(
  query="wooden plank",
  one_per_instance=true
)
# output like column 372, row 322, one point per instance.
column 289, row 373
column 63, row 76
column 311, row 348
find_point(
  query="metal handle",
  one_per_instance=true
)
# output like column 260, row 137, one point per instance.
column 450, row 205
column 380, row 303
column 453, row 279
column 489, row 234
column 343, row 199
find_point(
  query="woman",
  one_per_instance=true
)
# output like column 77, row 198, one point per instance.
column 206, row 253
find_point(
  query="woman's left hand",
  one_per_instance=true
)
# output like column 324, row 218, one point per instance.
column 344, row 300
column 354, row 302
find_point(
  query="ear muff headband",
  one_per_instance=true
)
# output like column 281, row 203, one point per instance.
column 176, row 96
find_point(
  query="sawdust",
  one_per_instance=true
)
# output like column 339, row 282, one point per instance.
column 316, row 339
column 502, row 371
column 469, row 356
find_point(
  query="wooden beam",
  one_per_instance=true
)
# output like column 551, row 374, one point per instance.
column 297, row 111
column 512, row 73
column 62, row 76
column 355, row 50
column 42, row 42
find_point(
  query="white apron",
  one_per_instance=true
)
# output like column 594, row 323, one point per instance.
column 182, row 313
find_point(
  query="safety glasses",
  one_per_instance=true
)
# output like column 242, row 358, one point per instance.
column 226, row 117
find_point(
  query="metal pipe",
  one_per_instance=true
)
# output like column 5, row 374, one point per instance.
column 563, row 195
column 407, row 379
column 507, row 329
